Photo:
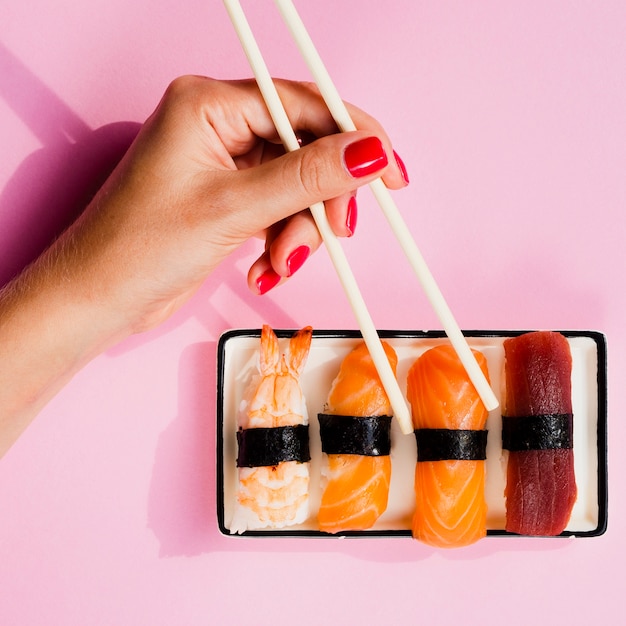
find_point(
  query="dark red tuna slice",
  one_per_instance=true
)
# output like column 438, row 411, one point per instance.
column 538, row 432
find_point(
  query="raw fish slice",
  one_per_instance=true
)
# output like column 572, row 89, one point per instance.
column 357, row 389
column 541, row 485
column 450, row 505
column 357, row 490
column 356, row 493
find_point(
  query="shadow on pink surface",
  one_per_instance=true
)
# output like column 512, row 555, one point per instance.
column 182, row 490
column 53, row 185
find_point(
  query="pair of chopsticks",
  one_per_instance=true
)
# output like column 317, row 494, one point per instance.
column 344, row 122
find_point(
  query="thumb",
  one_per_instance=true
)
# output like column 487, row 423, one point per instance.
column 327, row 168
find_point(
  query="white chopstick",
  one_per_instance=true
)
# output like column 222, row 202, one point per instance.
column 335, row 251
column 344, row 122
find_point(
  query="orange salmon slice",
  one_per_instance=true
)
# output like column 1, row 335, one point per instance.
column 357, row 490
column 450, row 505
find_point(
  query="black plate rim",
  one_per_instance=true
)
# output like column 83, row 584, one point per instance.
column 598, row 337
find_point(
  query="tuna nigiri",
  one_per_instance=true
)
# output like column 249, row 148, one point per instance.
column 449, row 420
column 538, row 432
column 273, row 439
column 355, row 432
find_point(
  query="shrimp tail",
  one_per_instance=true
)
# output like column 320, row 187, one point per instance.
column 269, row 356
column 299, row 347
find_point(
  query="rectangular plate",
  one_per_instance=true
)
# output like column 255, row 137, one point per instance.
column 237, row 362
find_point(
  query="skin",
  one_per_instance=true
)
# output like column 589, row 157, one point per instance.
column 205, row 174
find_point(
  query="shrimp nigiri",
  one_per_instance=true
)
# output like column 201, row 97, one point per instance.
column 273, row 455
column 357, row 490
column 451, row 509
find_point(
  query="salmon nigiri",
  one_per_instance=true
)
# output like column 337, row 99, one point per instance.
column 449, row 420
column 355, row 432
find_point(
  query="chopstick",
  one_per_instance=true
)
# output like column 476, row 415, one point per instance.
column 344, row 122
column 331, row 242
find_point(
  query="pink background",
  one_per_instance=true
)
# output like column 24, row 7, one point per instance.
column 510, row 117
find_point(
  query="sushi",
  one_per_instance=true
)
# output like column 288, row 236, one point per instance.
column 273, row 439
column 449, row 420
column 356, row 440
column 538, row 434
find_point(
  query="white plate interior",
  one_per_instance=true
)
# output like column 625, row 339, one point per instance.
column 240, row 356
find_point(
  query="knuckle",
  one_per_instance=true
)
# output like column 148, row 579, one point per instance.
column 180, row 85
column 312, row 173
column 187, row 87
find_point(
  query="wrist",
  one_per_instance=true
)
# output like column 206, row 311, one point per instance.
column 50, row 327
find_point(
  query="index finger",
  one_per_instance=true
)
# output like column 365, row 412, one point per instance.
column 236, row 110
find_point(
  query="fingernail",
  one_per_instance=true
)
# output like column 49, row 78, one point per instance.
column 402, row 167
column 297, row 258
column 365, row 157
column 266, row 281
column 352, row 216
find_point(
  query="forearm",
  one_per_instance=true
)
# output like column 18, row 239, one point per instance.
column 52, row 323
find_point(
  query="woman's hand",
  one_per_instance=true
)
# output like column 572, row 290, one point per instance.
column 206, row 173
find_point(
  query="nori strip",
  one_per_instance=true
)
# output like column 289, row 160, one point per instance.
column 444, row 444
column 262, row 447
column 538, row 432
column 348, row 434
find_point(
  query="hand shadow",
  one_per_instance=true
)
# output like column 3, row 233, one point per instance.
column 67, row 177
column 54, row 184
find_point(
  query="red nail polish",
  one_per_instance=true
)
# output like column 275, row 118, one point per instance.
column 352, row 216
column 266, row 281
column 297, row 258
column 402, row 167
column 365, row 157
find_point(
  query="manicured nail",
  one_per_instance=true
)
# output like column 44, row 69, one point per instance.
column 266, row 281
column 352, row 216
column 365, row 157
column 402, row 167
column 297, row 258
